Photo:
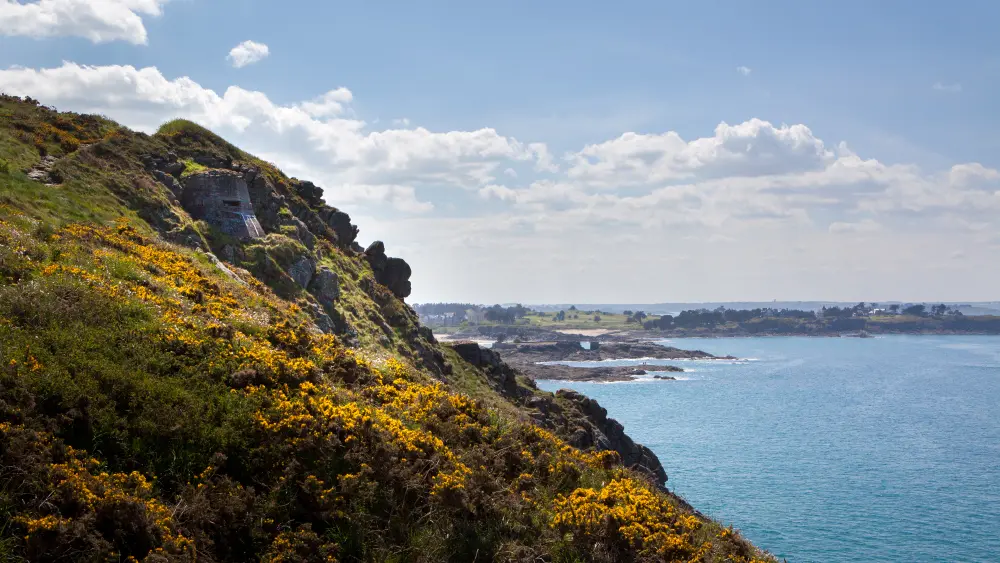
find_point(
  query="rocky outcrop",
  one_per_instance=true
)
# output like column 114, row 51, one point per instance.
column 325, row 286
column 42, row 172
column 394, row 273
column 311, row 193
column 609, row 434
column 302, row 270
column 340, row 223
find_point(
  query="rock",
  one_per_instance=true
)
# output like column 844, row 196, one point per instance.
column 225, row 270
column 302, row 271
column 375, row 254
column 174, row 168
column 232, row 254
column 212, row 161
column 397, row 277
column 302, row 232
column 502, row 376
column 169, row 182
column 322, row 320
column 312, row 194
column 394, row 273
column 612, row 436
column 340, row 223
column 42, row 172
column 325, row 286
column 221, row 198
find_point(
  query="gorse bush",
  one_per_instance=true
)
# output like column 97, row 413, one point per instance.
column 154, row 408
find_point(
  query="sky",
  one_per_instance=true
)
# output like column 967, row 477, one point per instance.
column 559, row 152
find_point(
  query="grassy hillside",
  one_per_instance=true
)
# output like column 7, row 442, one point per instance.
column 157, row 404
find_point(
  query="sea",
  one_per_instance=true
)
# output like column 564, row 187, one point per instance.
column 830, row 449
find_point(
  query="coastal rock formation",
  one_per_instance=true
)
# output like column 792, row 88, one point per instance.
column 221, row 198
column 570, row 373
column 394, row 273
column 325, row 286
column 564, row 351
column 608, row 433
column 582, row 420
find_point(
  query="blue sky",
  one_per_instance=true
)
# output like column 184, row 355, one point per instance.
column 533, row 137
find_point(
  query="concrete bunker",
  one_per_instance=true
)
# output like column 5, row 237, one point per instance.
column 221, row 198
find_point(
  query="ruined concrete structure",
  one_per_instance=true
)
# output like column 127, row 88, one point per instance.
column 221, row 198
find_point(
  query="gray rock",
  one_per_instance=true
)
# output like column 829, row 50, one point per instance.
column 302, row 271
column 322, row 320
column 224, row 269
column 340, row 223
column 301, row 232
column 174, row 168
column 311, row 193
column 212, row 161
column 169, row 182
column 325, row 286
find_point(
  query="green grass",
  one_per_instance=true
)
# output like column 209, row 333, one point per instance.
column 191, row 167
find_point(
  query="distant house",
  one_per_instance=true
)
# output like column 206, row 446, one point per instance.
column 475, row 316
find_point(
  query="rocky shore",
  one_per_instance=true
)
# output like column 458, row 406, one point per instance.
column 573, row 351
column 617, row 373
column 534, row 359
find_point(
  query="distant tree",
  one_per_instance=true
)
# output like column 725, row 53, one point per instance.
column 627, row 313
column 572, row 307
column 597, row 318
column 939, row 310
column 894, row 308
column 915, row 310
column 561, row 316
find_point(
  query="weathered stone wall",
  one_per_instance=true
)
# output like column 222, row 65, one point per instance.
column 221, row 198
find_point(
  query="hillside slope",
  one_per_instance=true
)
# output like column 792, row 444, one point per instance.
column 186, row 375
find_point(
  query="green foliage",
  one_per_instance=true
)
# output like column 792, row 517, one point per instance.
column 191, row 167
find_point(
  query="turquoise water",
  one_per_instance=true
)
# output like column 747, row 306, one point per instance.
column 832, row 449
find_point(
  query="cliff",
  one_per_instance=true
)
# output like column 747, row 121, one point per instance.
column 198, row 361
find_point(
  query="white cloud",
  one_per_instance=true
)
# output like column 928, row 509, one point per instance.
column 248, row 53
column 950, row 88
column 330, row 104
column 744, row 70
column 100, row 21
column 478, row 201
column 752, row 148
column 864, row 226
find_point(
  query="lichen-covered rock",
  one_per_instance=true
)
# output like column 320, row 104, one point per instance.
column 325, row 286
column 302, row 271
